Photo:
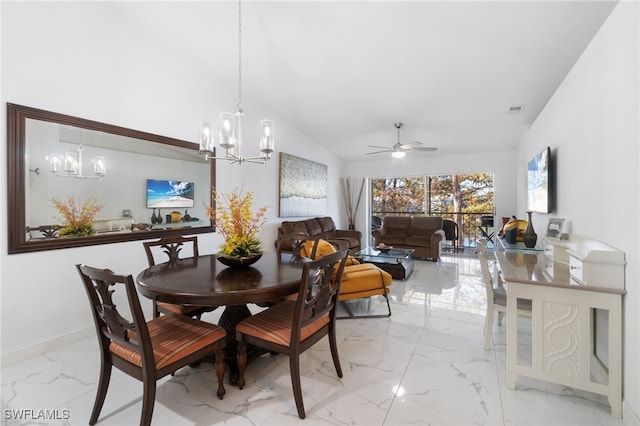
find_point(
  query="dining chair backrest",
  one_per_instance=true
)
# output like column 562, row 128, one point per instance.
column 484, row 265
column 145, row 351
column 293, row 243
column 489, row 291
column 496, row 296
column 111, row 323
column 172, row 247
column 319, row 291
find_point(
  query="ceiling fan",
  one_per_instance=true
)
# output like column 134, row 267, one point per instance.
column 398, row 150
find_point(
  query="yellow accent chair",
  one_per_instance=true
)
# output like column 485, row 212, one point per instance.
column 359, row 280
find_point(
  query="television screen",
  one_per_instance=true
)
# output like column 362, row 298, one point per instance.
column 539, row 183
column 169, row 194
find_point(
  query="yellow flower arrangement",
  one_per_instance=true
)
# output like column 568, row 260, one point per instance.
column 237, row 223
column 77, row 222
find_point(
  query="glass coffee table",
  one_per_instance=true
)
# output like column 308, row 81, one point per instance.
column 397, row 262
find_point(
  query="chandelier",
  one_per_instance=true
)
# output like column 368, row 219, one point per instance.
column 70, row 165
column 230, row 131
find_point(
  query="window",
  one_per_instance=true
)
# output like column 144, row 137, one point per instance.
column 461, row 198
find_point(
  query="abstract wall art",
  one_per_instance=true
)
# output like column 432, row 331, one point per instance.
column 303, row 187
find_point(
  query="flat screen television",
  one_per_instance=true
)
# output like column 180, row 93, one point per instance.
column 540, row 183
column 166, row 194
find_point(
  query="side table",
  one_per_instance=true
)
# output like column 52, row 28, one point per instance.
column 397, row 262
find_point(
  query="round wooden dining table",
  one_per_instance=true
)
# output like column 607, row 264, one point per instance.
column 204, row 281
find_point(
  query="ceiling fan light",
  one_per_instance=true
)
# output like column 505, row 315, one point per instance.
column 397, row 154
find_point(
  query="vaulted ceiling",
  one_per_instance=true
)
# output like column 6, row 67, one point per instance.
column 344, row 72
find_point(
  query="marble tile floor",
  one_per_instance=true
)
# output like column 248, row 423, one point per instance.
column 423, row 365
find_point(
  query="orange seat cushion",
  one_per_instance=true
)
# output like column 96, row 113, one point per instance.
column 274, row 324
column 364, row 282
column 173, row 336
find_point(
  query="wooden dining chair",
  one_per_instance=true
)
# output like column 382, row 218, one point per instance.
column 496, row 296
column 359, row 280
column 293, row 326
column 147, row 351
column 172, row 247
column 293, row 242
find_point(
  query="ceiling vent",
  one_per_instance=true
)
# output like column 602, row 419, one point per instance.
column 516, row 109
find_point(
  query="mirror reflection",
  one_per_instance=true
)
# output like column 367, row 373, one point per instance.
column 132, row 185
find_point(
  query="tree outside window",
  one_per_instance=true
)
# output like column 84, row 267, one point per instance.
column 462, row 198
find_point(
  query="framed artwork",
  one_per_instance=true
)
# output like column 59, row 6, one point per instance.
column 303, row 187
column 554, row 228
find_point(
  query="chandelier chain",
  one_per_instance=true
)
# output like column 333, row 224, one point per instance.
column 239, row 55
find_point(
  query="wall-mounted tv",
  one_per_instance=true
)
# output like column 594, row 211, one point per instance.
column 166, row 194
column 540, row 183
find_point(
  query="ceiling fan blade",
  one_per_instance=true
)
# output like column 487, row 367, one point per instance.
column 410, row 144
column 423, row 148
column 399, row 149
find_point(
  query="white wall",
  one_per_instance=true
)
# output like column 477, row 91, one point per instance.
column 592, row 125
column 81, row 59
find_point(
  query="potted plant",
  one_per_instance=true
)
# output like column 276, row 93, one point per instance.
column 77, row 222
column 239, row 226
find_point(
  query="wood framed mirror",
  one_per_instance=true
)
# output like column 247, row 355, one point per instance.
column 133, row 159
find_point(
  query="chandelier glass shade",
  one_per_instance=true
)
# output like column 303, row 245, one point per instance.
column 70, row 165
column 230, row 126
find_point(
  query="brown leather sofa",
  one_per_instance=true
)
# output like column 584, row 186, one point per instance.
column 421, row 233
column 324, row 228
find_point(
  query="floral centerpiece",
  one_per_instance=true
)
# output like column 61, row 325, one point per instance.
column 238, row 225
column 77, row 222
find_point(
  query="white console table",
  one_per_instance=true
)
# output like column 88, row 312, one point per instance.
column 111, row 224
column 173, row 225
column 567, row 283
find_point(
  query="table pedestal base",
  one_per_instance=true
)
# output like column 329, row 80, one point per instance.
column 231, row 316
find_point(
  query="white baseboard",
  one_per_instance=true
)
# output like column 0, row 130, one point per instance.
column 55, row 343
column 40, row 348
column 629, row 417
